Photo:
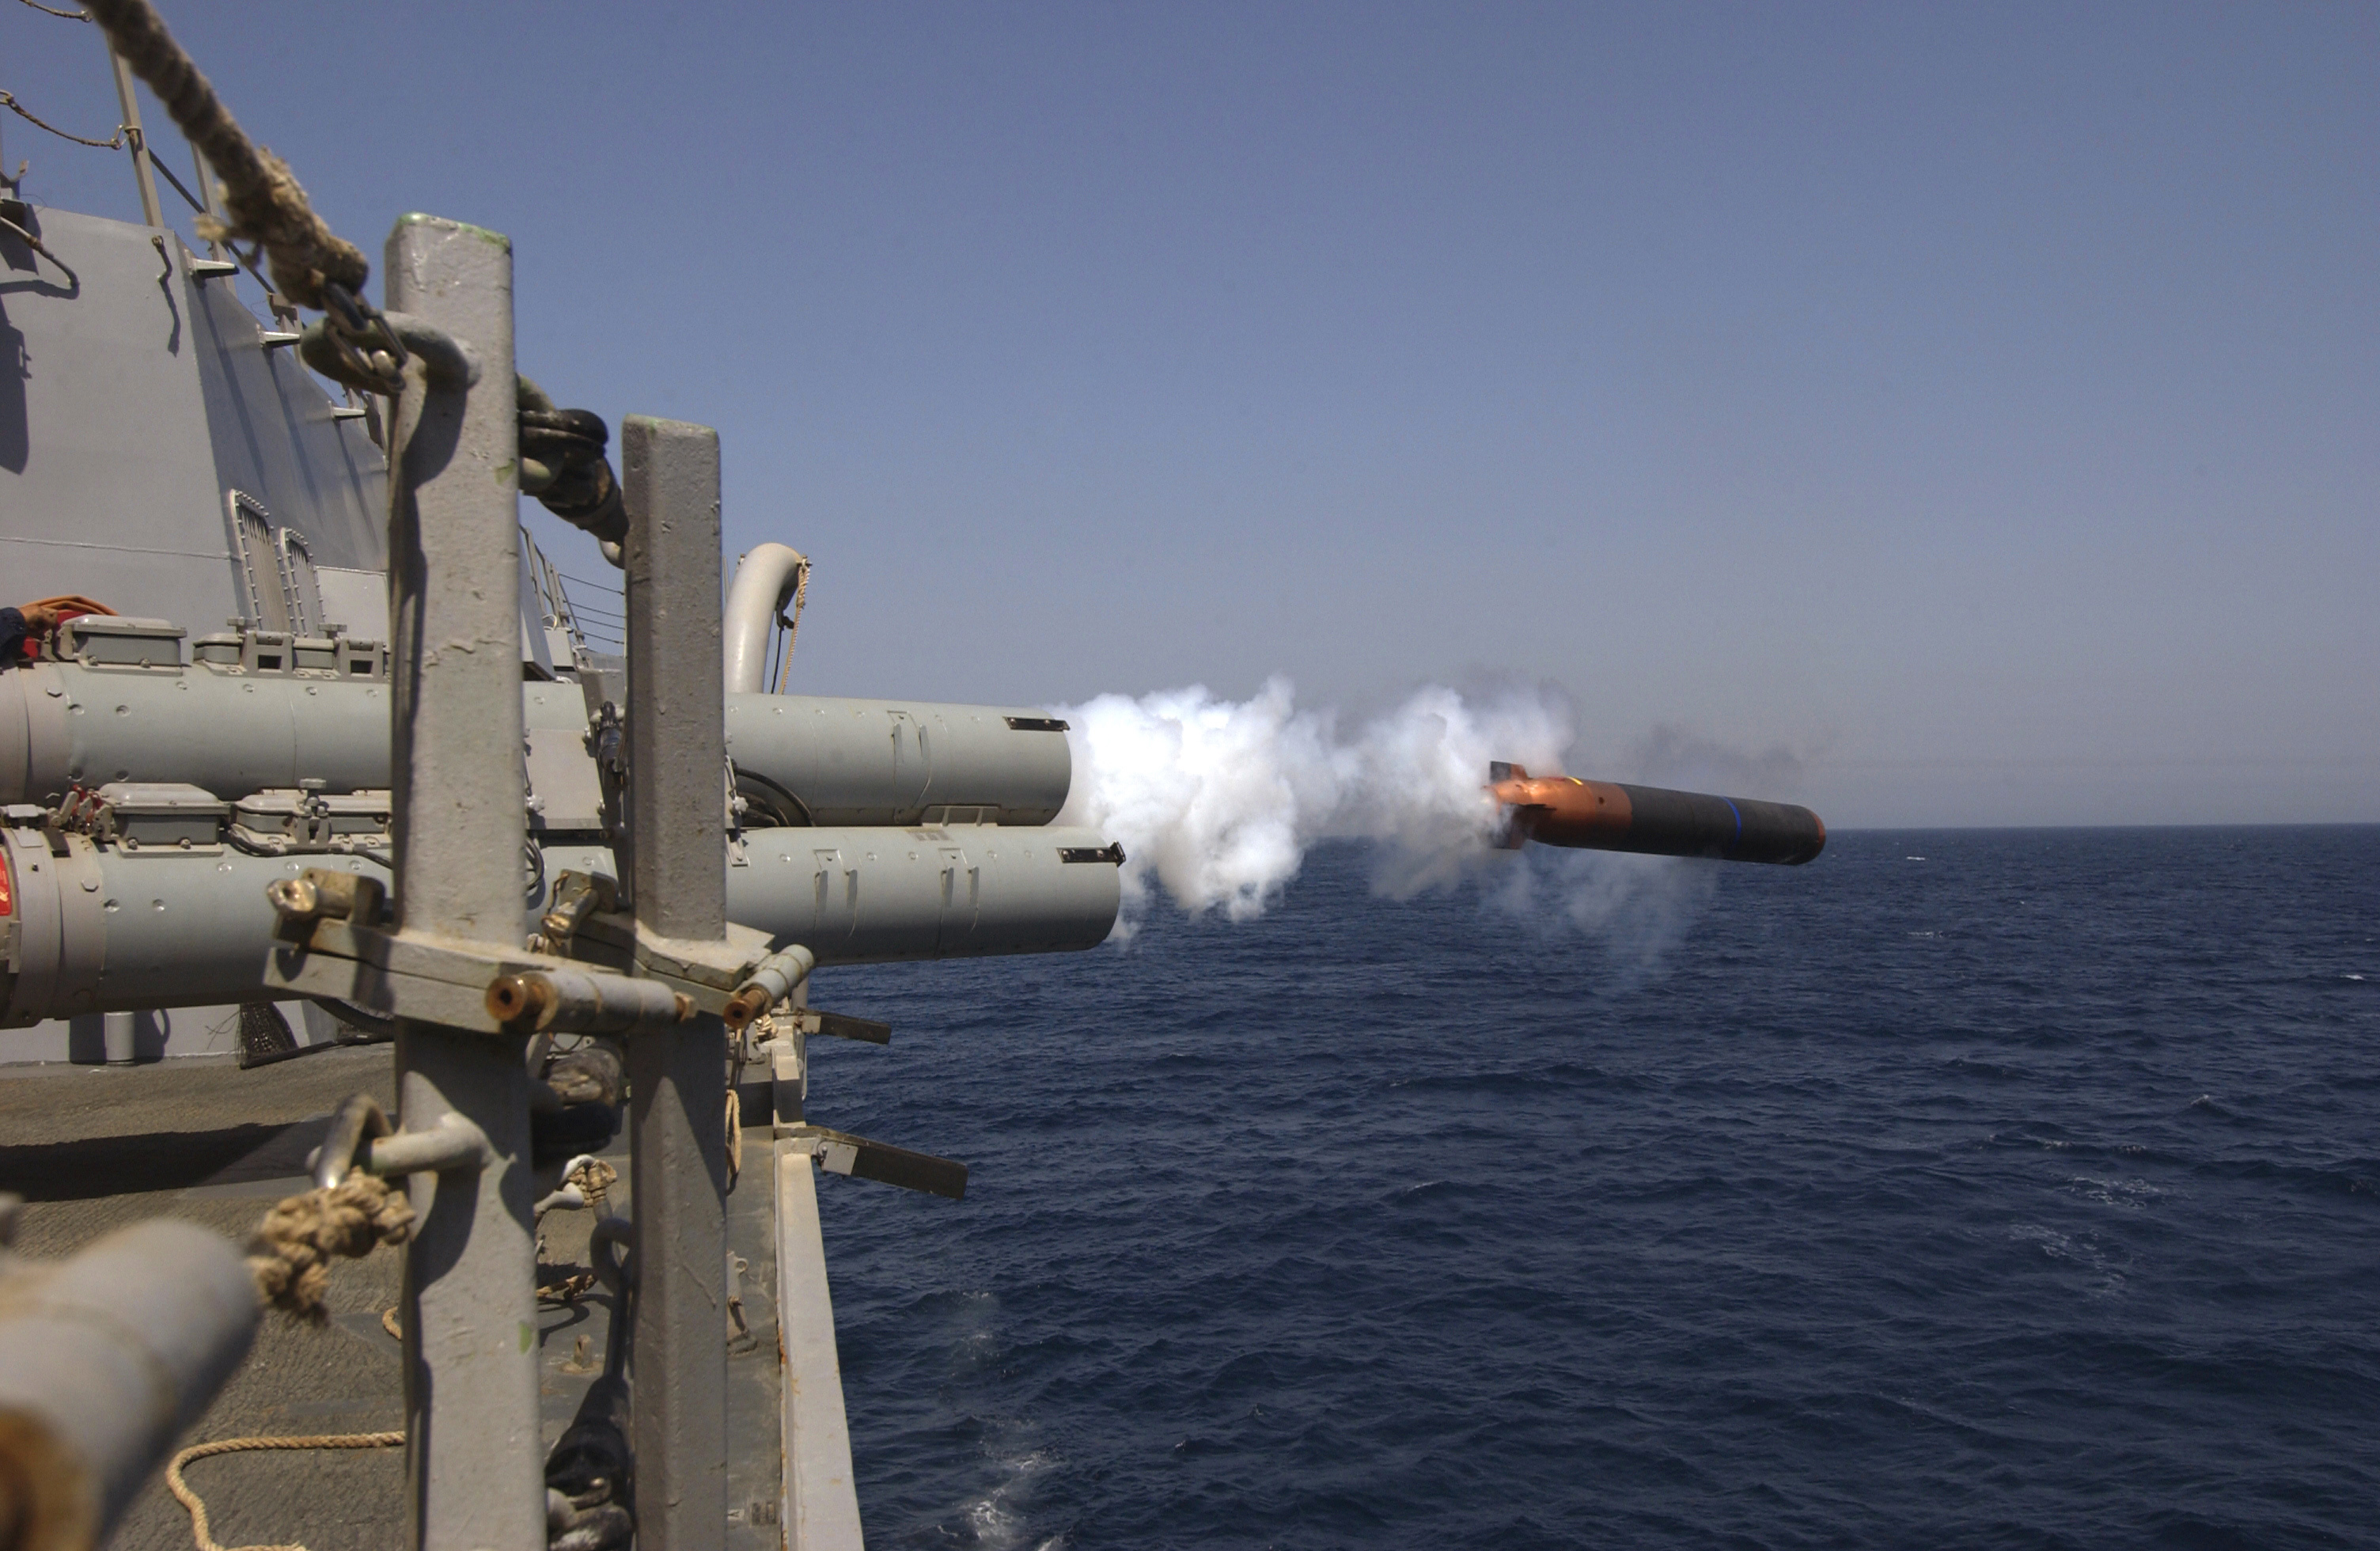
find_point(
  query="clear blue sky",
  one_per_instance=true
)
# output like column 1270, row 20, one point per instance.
column 1979, row 405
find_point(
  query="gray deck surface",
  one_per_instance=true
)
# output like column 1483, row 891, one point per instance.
column 93, row 1149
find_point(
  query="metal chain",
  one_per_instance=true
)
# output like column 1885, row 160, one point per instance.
column 8, row 100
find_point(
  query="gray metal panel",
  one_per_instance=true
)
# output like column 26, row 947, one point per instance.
column 820, row 1510
column 274, row 435
column 158, row 1033
column 358, row 600
column 107, row 475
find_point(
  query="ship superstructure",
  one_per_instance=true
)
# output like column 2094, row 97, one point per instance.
column 325, row 751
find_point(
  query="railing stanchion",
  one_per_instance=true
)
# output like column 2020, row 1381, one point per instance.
column 677, row 872
column 473, row 1467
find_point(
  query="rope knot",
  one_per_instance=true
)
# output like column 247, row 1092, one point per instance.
column 291, row 1252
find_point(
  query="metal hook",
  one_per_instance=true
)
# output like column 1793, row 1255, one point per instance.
column 360, row 1122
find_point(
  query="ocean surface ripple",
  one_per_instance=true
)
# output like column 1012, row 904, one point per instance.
column 1962, row 1189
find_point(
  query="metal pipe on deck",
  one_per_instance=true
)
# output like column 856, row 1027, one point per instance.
column 765, row 582
column 105, row 1358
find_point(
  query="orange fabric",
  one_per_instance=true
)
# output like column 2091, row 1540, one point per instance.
column 70, row 605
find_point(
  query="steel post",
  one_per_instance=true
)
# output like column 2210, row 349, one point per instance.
column 119, row 1039
column 473, row 1455
column 678, row 1080
column 141, row 176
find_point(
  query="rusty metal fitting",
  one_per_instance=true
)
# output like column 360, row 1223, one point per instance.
column 578, row 1001
column 326, row 892
column 514, row 998
column 294, row 896
column 746, row 1005
column 771, row 982
column 577, row 895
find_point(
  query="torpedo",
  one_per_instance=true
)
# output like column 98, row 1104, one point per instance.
column 1650, row 820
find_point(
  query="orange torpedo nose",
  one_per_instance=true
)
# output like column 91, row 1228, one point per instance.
column 1651, row 820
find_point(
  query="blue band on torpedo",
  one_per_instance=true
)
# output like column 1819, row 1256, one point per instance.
column 1739, row 819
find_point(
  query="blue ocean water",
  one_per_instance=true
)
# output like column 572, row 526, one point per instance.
column 1962, row 1189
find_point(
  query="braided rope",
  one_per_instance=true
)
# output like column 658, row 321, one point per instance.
column 8, row 100
column 595, row 1179
column 793, row 623
column 263, row 197
column 294, row 1243
column 191, row 1500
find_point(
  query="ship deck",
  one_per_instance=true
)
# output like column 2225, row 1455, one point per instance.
column 93, row 1149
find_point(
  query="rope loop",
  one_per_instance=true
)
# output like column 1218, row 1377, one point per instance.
column 200, row 1530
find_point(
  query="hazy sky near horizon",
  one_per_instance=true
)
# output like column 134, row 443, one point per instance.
column 1962, row 415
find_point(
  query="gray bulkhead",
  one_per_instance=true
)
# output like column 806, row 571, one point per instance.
column 164, row 454
column 134, row 400
column 140, row 400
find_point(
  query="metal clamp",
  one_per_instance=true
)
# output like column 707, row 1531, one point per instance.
column 354, row 344
column 577, row 895
column 326, row 947
column 323, row 893
column 367, row 350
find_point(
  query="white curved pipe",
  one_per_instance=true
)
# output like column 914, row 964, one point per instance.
column 765, row 579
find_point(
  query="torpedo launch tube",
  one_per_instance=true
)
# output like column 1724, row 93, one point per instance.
column 1650, row 820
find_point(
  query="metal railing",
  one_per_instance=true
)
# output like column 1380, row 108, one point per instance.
column 600, row 609
column 562, row 611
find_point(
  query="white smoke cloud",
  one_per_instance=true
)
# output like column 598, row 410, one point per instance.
column 1637, row 908
column 1217, row 801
